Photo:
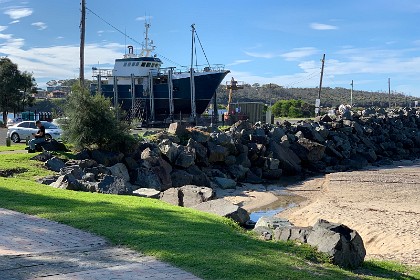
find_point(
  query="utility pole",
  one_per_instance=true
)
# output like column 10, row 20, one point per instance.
column 351, row 94
column 82, row 44
column 389, row 92
column 320, row 85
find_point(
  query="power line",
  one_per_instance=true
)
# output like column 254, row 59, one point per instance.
column 129, row 37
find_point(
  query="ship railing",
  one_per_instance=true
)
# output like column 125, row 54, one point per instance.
column 197, row 69
column 101, row 72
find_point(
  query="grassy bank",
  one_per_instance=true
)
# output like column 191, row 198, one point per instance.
column 211, row 247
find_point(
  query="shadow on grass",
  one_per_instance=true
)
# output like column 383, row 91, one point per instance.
column 208, row 246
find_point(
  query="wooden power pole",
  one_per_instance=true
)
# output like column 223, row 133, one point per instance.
column 389, row 92
column 82, row 43
column 320, row 85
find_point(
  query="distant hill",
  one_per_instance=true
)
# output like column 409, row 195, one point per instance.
column 330, row 97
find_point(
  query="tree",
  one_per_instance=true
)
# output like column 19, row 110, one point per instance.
column 14, row 86
column 93, row 123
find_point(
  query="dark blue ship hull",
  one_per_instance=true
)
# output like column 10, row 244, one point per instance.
column 205, row 87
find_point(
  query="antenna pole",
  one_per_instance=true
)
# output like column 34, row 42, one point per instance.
column 351, row 94
column 82, row 44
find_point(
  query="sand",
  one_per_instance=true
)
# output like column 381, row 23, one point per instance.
column 382, row 204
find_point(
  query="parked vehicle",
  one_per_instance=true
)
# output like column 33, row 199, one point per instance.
column 23, row 130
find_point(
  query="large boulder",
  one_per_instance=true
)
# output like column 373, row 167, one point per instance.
column 113, row 185
column 44, row 156
column 171, row 196
column 120, row 170
column 272, row 222
column 224, row 208
column 192, row 195
column 53, row 146
column 199, row 177
column 289, row 162
column 308, row 150
column 292, row 233
column 186, row 157
column 54, row 164
column 224, row 183
column 68, row 182
column 146, row 178
column 74, row 170
column 107, row 158
column 200, row 152
column 181, row 178
column 216, row 153
column 177, row 128
column 169, row 150
column 343, row 244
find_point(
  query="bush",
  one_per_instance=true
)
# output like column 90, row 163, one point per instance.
column 292, row 109
column 93, row 123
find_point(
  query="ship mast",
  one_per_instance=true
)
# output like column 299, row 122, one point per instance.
column 82, row 43
column 147, row 45
column 192, row 83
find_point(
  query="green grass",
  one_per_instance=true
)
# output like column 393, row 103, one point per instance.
column 13, row 147
column 211, row 247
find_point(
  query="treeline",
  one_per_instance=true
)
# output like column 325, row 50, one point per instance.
column 330, row 97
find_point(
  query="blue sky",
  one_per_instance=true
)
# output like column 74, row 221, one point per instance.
column 262, row 42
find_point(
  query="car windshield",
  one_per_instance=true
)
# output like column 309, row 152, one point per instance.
column 49, row 125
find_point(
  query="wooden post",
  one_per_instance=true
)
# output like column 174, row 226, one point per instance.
column 82, row 44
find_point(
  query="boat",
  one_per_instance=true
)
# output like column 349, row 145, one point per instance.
column 142, row 87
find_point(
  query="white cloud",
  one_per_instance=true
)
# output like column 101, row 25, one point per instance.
column 262, row 55
column 2, row 28
column 17, row 13
column 57, row 62
column 40, row 25
column 144, row 18
column 60, row 37
column 239, row 61
column 299, row 53
column 14, row 21
column 322, row 26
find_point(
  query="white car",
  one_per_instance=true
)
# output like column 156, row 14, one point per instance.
column 23, row 130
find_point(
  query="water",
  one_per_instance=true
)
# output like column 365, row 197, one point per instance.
column 254, row 216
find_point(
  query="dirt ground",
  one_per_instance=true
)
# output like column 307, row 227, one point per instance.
column 382, row 204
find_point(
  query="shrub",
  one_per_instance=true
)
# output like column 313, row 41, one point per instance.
column 292, row 108
column 93, row 123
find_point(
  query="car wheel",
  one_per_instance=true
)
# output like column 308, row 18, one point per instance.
column 15, row 138
column 48, row 137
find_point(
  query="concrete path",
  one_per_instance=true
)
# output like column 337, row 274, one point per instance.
column 35, row 248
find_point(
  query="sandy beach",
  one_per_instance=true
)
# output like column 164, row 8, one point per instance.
column 382, row 204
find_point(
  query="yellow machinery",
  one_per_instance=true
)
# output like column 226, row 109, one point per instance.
column 233, row 114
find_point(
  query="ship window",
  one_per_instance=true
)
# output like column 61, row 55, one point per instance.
column 143, row 64
column 125, row 64
column 148, row 64
column 129, row 64
column 137, row 63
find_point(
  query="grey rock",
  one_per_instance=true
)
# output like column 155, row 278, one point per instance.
column 216, row 153
column 106, row 158
column 74, row 170
column 272, row 174
column 181, row 178
column 272, row 222
column 120, row 170
column 276, row 134
column 200, row 152
column 225, row 183
column 199, row 177
column 224, row 208
column 177, row 128
column 192, row 195
column 292, row 233
column 171, row 196
column 146, row 192
column 68, row 182
column 343, row 244
column 89, row 177
column 289, row 162
column 242, row 159
column 169, row 149
column 185, row 157
column 44, row 156
column 146, row 178
column 48, row 180
column 55, row 164
column 238, row 171
column 308, row 150
column 113, row 185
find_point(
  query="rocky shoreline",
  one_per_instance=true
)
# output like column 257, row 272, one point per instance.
column 188, row 166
